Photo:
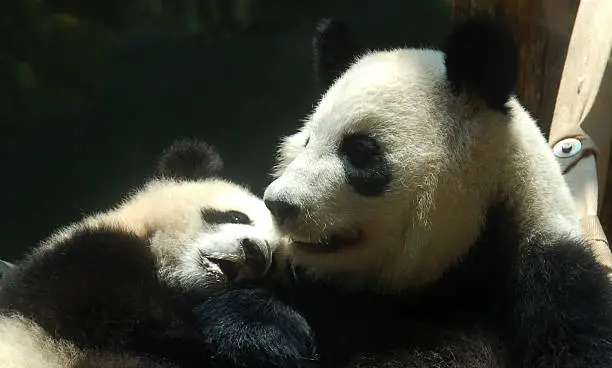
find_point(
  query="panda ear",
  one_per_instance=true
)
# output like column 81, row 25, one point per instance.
column 481, row 59
column 189, row 159
column 334, row 50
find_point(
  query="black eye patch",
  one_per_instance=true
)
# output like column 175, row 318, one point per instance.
column 215, row 217
column 365, row 164
column 360, row 150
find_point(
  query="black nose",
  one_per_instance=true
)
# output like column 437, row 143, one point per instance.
column 282, row 210
column 257, row 258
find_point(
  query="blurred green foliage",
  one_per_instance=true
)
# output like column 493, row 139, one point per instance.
column 48, row 59
column 54, row 48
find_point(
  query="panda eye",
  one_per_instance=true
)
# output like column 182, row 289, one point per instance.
column 225, row 217
column 361, row 150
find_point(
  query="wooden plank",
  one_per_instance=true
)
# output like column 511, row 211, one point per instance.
column 584, row 101
column 587, row 58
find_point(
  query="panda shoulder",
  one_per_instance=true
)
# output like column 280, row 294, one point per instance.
column 83, row 262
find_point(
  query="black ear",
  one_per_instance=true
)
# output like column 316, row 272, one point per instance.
column 481, row 58
column 189, row 159
column 334, row 50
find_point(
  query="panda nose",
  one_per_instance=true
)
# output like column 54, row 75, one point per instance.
column 258, row 257
column 282, row 210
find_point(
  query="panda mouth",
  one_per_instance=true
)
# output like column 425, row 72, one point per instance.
column 333, row 244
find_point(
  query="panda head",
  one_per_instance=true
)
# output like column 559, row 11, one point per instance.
column 204, row 230
column 388, row 181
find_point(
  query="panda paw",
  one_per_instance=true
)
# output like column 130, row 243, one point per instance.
column 250, row 328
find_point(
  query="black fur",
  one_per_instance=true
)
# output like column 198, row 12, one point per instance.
column 100, row 289
column 481, row 58
column 542, row 304
column 365, row 165
column 334, row 50
column 562, row 308
column 189, row 159
column 250, row 328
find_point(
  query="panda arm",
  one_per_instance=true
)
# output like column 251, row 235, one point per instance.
column 562, row 316
column 249, row 327
column 99, row 288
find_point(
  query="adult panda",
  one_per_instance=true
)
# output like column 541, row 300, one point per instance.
column 147, row 283
column 430, row 223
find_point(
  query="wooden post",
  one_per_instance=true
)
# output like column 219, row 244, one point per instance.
column 542, row 30
column 583, row 111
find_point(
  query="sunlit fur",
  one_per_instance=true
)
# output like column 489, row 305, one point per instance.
column 24, row 344
column 166, row 212
column 450, row 160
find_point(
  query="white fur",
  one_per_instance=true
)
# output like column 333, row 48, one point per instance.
column 24, row 344
column 449, row 160
column 168, row 213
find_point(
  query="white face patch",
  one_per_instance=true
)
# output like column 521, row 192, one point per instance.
column 365, row 163
column 205, row 233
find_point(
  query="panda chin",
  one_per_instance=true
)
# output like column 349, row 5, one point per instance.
column 334, row 243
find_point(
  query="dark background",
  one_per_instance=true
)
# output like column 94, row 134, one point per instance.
column 91, row 91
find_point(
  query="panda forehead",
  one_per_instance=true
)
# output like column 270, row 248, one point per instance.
column 216, row 194
column 404, row 71
column 376, row 89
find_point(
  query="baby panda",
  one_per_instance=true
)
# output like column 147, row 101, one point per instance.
column 130, row 287
column 430, row 224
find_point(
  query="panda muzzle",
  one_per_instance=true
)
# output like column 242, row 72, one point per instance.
column 255, row 262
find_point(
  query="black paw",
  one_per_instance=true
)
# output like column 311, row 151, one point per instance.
column 250, row 328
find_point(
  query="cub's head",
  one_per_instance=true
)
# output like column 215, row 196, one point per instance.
column 389, row 179
column 205, row 230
